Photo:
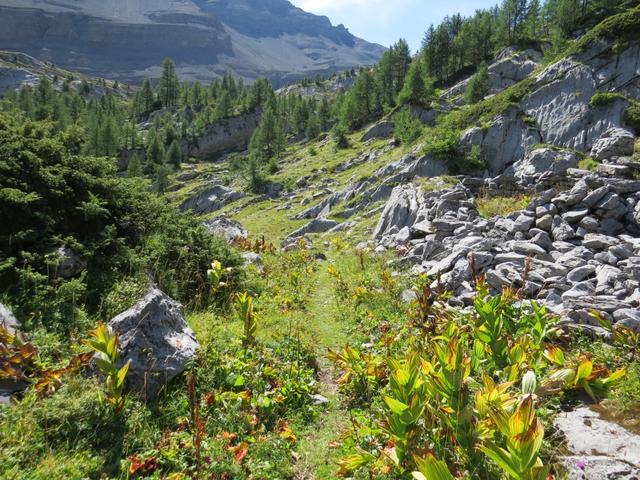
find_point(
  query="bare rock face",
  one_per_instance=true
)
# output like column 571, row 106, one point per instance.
column 155, row 338
column 227, row 228
column 507, row 140
column 231, row 134
column 615, row 142
column 601, row 450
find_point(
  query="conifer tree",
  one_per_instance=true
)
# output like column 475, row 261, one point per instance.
column 134, row 169
column 174, row 155
column 268, row 141
column 155, row 150
column 146, row 96
column 417, row 88
column 169, row 84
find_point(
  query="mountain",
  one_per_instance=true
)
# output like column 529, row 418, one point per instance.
column 128, row 40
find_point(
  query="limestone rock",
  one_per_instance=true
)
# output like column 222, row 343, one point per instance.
column 227, row 228
column 155, row 338
column 615, row 142
column 69, row 263
column 211, row 199
column 380, row 130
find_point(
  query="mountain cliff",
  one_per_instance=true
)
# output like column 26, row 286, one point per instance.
column 127, row 40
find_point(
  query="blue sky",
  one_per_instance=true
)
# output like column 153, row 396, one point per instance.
column 384, row 21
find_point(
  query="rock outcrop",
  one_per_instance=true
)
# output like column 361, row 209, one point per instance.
column 155, row 338
column 229, row 135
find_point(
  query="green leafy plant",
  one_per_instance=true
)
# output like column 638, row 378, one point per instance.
column 107, row 358
column 244, row 310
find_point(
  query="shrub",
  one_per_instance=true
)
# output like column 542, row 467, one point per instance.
column 407, row 127
column 602, row 99
column 632, row 116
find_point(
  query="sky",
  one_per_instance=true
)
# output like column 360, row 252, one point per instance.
column 385, row 21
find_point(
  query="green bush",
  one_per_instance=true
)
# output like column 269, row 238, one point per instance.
column 602, row 99
column 478, row 86
column 632, row 116
column 50, row 198
column 407, row 127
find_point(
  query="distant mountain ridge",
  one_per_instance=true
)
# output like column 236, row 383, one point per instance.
column 128, row 40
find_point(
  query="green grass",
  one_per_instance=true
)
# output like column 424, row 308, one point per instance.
column 491, row 206
column 588, row 163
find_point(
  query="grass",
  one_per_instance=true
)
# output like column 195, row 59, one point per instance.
column 491, row 206
column 588, row 163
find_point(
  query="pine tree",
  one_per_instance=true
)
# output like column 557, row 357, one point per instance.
column 146, row 96
column 109, row 137
column 134, row 169
column 268, row 141
column 417, row 88
column 223, row 108
column 161, row 178
column 478, row 86
column 155, row 150
column 174, row 155
column 169, row 84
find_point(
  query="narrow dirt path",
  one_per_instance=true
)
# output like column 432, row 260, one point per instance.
column 316, row 458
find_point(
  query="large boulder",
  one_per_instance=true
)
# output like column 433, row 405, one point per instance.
column 615, row 142
column 317, row 225
column 211, row 199
column 225, row 227
column 544, row 161
column 155, row 338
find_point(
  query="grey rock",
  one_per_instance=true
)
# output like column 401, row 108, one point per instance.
column 587, row 434
column 408, row 295
column 155, row 338
column 596, row 241
column 615, row 142
column 211, row 199
column 574, row 216
column 561, row 230
column 317, row 225
column 628, row 317
column 523, row 223
column 69, row 263
column 544, row 161
column 380, row 130
column 545, row 222
column 8, row 320
column 251, row 258
column 578, row 291
column 293, row 243
column 595, row 467
column 227, row 228
column 580, row 273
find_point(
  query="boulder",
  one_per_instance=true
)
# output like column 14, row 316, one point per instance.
column 69, row 263
column 293, row 243
column 615, row 142
column 155, row 338
column 543, row 161
column 211, row 199
column 251, row 258
column 380, row 130
column 8, row 320
column 227, row 228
